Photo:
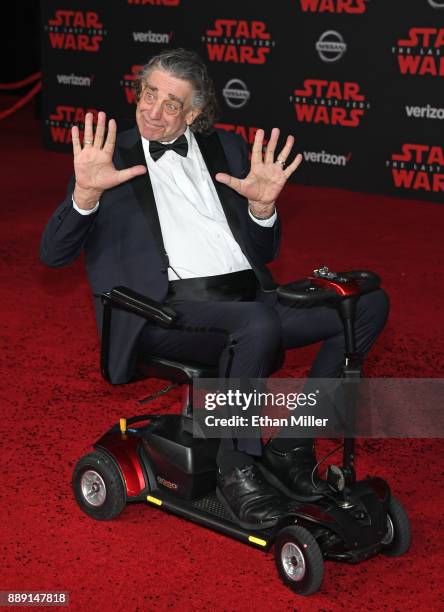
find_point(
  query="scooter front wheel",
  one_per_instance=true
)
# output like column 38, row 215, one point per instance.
column 98, row 486
column 299, row 560
column 398, row 537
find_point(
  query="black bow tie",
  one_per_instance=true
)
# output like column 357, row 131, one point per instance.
column 157, row 149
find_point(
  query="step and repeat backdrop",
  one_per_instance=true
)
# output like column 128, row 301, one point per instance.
column 358, row 82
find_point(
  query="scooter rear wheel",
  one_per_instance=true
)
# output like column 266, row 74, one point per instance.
column 299, row 560
column 397, row 540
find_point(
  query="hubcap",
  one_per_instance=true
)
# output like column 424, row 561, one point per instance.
column 388, row 538
column 93, row 488
column 293, row 561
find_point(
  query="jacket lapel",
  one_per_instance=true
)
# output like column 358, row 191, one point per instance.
column 216, row 161
column 133, row 155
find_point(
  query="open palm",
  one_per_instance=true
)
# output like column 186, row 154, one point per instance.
column 267, row 176
column 93, row 163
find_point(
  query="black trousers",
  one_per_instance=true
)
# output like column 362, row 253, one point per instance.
column 244, row 337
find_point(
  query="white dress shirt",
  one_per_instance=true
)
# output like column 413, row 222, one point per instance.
column 194, row 228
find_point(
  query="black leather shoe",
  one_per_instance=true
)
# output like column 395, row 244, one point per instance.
column 249, row 499
column 291, row 472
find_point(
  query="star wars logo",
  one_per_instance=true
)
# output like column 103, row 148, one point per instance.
column 330, row 103
column 155, row 2
column 239, row 41
column 128, row 84
column 420, row 53
column 76, row 31
column 61, row 120
column 418, row 167
column 356, row 7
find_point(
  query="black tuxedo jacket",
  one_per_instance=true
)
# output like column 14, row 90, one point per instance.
column 122, row 240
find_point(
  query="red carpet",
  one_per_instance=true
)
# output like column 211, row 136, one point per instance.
column 54, row 405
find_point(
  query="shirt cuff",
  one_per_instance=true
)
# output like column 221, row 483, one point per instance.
column 264, row 222
column 85, row 212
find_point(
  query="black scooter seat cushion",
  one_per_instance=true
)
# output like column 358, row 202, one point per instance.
column 176, row 371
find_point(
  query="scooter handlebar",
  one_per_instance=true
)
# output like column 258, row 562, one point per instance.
column 326, row 286
column 365, row 280
column 368, row 281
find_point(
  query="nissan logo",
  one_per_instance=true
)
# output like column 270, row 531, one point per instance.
column 331, row 46
column 236, row 93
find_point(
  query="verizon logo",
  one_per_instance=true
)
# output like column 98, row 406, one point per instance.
column 74, row 79
column 153, row 37
column 427, row 112
column 323, row 157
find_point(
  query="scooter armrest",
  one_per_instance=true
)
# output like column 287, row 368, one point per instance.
column 153, row 311
column 303, row 292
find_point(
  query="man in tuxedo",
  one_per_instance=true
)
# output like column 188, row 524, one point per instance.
column 176, row 212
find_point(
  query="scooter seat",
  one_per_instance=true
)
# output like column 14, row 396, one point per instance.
column 176, row 371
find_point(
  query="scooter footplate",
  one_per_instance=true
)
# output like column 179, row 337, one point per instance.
column 209, row 511
column 212, row 505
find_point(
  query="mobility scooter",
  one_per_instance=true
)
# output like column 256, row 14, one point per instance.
column 156, row 458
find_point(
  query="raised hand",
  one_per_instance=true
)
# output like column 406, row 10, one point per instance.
column 267, row 176
column 93, row 163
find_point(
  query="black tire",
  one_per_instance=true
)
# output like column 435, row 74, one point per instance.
column 399, row 535
column 303, row 571
column 108, row 498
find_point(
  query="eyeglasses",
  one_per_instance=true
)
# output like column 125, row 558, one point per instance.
column 171, row 107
